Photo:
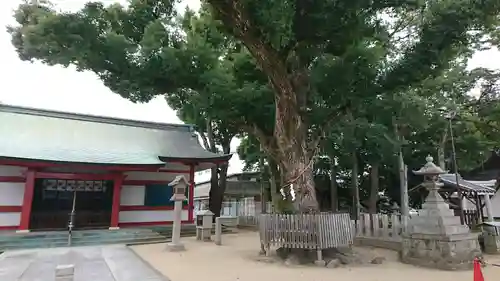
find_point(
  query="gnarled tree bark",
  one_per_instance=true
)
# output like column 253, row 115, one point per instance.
column 290, row 85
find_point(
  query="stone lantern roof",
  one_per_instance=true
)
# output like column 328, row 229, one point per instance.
column 429, row 169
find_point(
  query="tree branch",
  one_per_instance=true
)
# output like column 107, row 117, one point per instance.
column 264, row 140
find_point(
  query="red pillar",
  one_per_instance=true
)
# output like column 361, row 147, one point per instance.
column 115, row 209
column 29, row 188
column 191, row 194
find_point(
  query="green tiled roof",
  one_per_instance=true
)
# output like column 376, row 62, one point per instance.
column 57, row 136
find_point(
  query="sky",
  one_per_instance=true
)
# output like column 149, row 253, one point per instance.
column 65, row 89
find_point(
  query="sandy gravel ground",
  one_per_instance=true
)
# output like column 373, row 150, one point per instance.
column 238, row 260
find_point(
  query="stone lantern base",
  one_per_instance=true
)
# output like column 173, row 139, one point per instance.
column 175, row 247
column 441, row 251
column 491, row 243
column 436, row 237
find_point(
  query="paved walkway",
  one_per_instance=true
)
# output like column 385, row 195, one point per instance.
column 106, row 263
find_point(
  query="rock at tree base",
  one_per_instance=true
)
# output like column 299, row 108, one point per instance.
column 333, row 263
column 377, row 260
column 292, row 260
column 332, row 258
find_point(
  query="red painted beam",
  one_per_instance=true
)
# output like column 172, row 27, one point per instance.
column 150, row 223
column 11, row 209
column 12, row 179
column 191, row 194
column 75, row 176
column 115, row 208
column 9, row 227
column 174, row 171
column 144, row 182
column 49, row 164
column 29, row 188
column 150, row 208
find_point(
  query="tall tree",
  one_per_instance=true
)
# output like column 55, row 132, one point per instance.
column 320, row 58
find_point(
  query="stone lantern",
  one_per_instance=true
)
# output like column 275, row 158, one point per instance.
column 204, row 225
column 436, row 237
column 179, row 185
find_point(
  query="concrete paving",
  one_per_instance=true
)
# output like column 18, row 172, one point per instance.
column 103, row 263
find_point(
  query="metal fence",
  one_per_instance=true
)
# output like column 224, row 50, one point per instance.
column 308, row 231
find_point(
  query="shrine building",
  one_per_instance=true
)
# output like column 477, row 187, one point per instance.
column 109, row 172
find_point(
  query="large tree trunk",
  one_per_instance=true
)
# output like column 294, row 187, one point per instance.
column 441, row 149
column 263, row 188
column 217, row 194
column 403, row 177
column 374, row 187
column 274, row 180
column 334, row 200
column 355, row 185
column 291, row 135
column 290, row 83
column 213, row 195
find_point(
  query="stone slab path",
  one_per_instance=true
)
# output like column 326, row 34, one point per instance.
column 104, row 263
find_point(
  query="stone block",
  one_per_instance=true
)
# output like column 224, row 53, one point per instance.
column 491, row 244
column 175, row 247
column 65, row 272
column 445, row 254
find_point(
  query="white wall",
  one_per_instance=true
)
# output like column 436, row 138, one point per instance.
column 133, row 195
column 11, row 194
column 202, row 190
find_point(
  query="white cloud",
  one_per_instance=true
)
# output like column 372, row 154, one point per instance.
column 64, row 89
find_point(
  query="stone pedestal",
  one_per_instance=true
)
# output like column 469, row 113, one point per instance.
column 491, row 244
column 437, row 239
column 204, row 225
column 65, row 272
column 175, row 247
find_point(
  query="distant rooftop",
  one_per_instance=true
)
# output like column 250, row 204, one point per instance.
column 465, row 184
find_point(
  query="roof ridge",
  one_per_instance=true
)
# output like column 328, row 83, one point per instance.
column 93, row 118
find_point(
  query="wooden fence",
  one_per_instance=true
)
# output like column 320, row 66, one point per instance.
column 381, row 226
column 307, row 231
column 471, row 218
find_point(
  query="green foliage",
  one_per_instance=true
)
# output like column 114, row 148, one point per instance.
column 348, row 76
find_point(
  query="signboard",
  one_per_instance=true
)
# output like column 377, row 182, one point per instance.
column 73, row 185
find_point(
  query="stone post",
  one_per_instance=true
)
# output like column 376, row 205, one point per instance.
column 491, row 236
column 179, row 185
column 489, row 207
column 218, row 232
column 65, row 272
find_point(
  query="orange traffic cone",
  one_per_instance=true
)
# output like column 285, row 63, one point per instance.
column 478, row 274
